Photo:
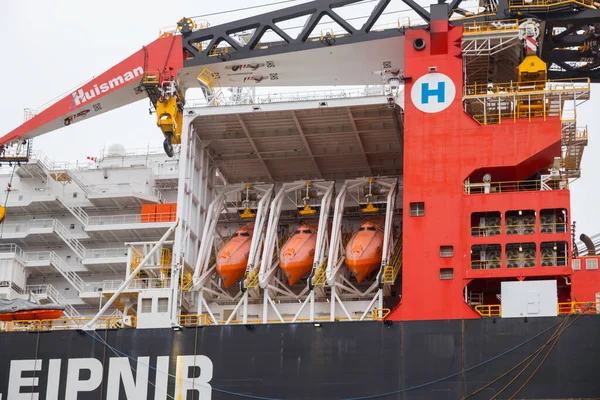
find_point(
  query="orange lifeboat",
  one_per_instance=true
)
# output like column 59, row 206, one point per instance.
column 364, row 250
column 233, row 257
column 298, row 253
column 23, row 310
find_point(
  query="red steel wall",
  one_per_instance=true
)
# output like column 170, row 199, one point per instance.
column 441, row 150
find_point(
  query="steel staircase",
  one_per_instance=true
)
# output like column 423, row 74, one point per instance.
column 54, row 296
column 390, row 272
column 66, row 236
column 77, row 211
column 66, row 271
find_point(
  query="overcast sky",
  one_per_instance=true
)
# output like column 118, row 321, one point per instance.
column 51, row 47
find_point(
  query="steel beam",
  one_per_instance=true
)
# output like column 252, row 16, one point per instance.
column 315, row 10
column 306, row 145
column 247, row 133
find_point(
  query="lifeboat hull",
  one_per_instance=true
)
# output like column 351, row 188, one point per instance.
column 30, row 315
column 298, row 253
column 364, row 250
column 233, row 257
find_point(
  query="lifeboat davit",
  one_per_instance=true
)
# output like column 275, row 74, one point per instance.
column 233, row 257
column 23, row 310
column 298, row 253
column 364, row 250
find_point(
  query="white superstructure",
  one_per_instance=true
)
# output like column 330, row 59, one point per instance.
column 73, row 234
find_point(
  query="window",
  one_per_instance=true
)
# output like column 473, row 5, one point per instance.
column 72, row 226
column 521, row 255
column 591, row 263
column 485, row 223
column 576, row 265
column 163, row 305
column 553, row 220
column 417, row 209
column 446, row 273
column 486, row 256
column 520, row 222
column 446, row 251
column 554, row 254
column 146, row 306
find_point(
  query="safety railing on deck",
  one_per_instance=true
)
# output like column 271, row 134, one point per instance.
column 578, row 307
column 65, row 324
column 137, row 284
column 479, row 27
column 489, row 310
column 380, row 313
column 527, row 87
column 520, row 229
column 514, row 186
column 549, row 4
column 521, row 262
column 485, row 264
column 191, row 320
column 107, row 253
column 131, row 219
column 11, row 248
column 491, row 230
column 558, row 227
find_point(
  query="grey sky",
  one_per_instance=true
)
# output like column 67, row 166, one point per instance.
column 50, row 47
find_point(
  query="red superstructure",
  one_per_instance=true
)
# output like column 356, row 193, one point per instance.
column 441, row 225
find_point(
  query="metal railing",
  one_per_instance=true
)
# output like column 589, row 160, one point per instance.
column 380, row 313
column 579, row 307
column 65, row 324
column 509, row 89
column 137, row 284
column 520, row 262
column 514, row 186
column 53, row 295
column 549, row 4
column 554, row 227
column 61, row 266
column 131, row 219
column 520, row 229
column 298, row 96
column 107, row 253
column 485, row 264
column 489, row 310
column 11, row 248
column 479, row 27
column 490, row 230
column 126, row 188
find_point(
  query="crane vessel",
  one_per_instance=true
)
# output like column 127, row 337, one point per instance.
column 408, row 238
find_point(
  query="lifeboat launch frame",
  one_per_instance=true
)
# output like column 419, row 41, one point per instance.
column 267, row 279
column 203, row 281
column 336, row 281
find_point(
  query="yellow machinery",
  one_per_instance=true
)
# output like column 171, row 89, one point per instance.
column 532, row 76
column 307, row 210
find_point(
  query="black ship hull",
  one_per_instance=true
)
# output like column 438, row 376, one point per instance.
column 397, row 360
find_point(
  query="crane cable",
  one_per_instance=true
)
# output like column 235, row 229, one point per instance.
column 250, row 396
column 244, row 9
column 555, row 336
column 545, row 357
column 8, row 190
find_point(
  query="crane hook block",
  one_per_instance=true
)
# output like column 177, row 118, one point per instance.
column 169, row 119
